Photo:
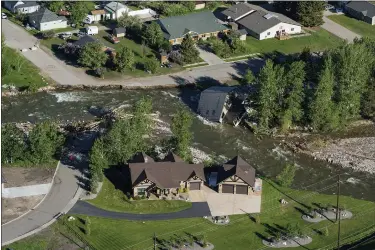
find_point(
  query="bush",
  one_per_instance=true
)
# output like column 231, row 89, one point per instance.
column 176, row 57
column 186, row 190
column 286, row 177
column 48, row 34
column 151, row 65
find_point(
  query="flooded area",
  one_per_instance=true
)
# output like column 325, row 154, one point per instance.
column 222, row 140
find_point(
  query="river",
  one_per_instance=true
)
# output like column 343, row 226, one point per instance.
column 223, row 140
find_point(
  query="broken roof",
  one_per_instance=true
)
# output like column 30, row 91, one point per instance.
column 237, row 166
column 364, row 7
column 165, row 174
column 200, row 23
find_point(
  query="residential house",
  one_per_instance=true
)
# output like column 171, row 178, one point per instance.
column 199, row 25
column 164, row 178
column 119, row 32
column 214, row 103
column 364, row 11
column 260, row 23
column 100, row 15
column 116, row 9
column 237, row 177
column 24, row 7
column 44, row 19
column 82, row 41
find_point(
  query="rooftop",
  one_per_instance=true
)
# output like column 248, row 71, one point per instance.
column 366, row 8
column 44, row 15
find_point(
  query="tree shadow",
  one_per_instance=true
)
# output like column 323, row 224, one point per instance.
column 317, row 231
column 120, row 178
column 261, row 236
column 67, row 59
column 271, row 229
column 303, row 212
column 253, row 64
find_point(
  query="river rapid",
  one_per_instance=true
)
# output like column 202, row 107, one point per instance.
column 223, row 140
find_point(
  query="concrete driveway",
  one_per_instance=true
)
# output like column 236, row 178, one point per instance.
column 226, row 204
column 337, row 29
column 209, row 57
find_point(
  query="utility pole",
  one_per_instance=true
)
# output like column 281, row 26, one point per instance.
column 338, row 213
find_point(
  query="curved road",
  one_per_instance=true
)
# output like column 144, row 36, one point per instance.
column 198, row 209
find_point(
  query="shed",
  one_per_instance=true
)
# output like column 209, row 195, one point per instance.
column 119, row 32
column 163, row 56
column 242, row 33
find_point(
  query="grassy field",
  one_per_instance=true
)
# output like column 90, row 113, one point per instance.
column 114, row 199
column 357, row 26
column 22, row 73
column 242, row 232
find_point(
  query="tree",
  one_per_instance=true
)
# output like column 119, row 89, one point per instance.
column 78, row 12
column 237, row 45
column 322, row 112
column 92, row 56
column 288, row 8
column 55, row 6
column 44, row 142
column 325, row 231
column 48, row 34
column 310, row 13
column 267, row 95
column 132, row 23
column 12, row 144
column 286, row 177
column 294, row 94
column 188, row 50
column 182, row 136
column 368, row 102
column 220, row 48
column 248, row 78
column 153, row 35
column 189, row 5
column 151, row 65
column 124, row 59
column 175, row 56
column 6, row 62
column 98, row 160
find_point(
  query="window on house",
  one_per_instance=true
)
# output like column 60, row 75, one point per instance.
column 268, row 33
column 141, row 191
column 292, row 29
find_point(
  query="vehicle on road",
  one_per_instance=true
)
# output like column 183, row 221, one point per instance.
column 4, row 16
column 92, row 30
column 113, row 39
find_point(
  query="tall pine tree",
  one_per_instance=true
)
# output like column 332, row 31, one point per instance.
column 188, row 50
column 310, row 13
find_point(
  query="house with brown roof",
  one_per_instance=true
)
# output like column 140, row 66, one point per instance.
column 173, row 175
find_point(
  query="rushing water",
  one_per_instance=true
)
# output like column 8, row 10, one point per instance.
column 223, row 140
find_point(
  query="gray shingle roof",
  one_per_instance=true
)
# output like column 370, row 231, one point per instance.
column 366, row 8
column 24, row 5
column 120, row 30
column 115, row 6
column 85, row 40
column 258, row 23
column 237, row 166
column 44, row 15
column 237, row 10
column 200, row 22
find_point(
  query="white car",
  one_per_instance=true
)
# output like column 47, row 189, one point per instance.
column 4, row 16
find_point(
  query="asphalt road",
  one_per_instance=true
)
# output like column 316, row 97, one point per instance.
column 198, row 209
column 337, row 29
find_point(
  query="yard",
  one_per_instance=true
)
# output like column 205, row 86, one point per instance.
column 114, row 199
column 242, row 232
column 357, row 26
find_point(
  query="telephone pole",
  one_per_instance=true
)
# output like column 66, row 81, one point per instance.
column 338, row 213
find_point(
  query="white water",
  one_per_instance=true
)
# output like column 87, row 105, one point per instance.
column 207, row 122
column 199, row 156
column 68, row 96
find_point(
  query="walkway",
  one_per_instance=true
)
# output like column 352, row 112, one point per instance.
column 210, row 57
column 198, row 209
column 337, row 29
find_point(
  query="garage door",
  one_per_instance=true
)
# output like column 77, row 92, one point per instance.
column 240, row 189
column 229, row 189
column 195, row 185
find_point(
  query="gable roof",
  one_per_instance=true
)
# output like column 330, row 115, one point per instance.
column 200, row 22
column 84, row 40
column 24, row 4
column 44, row 15
column 237, row 166
column 115, row 6
column 366, row 8
column 260, row 20
column 238, row 10
column 165, row 174
column 120, row 30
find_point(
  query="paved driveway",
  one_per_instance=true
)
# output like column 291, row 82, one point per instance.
column 337, row 29
column 209, row 57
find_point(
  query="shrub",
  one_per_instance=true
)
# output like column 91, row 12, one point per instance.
column 151, row 65
column 286, row 177
column 325, row 231
column 186, row 190
column 176, row 57
column 48, row 34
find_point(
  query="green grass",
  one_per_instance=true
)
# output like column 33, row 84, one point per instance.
column 242, row 232
column 23, row 74
column 113, row 199
column 357, row 26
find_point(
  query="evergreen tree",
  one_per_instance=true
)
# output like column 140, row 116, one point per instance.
column 182, row 136
column 288, row 8
column 267, row 95
column 188, row 50
column 286, row 177
column 153, row 35
column 292, row 108
column 12, row 144
column 322, row 112
column 93, row 56
column 248, row 78
column 310, row 13
column 124, row 59
column 151, row 65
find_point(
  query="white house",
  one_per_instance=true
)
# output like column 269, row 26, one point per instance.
column 116, row 9
column 44, row 19
column 260, row 23
column 24, row 7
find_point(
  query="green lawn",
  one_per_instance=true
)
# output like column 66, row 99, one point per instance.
column 357, row 26
column 22, row 73
column 242, row 233
column 114, row 199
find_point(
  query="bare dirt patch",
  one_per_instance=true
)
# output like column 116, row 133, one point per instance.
column 15, row 207
column 20, row 176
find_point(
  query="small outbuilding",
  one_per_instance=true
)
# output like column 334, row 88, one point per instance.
column 163, row 56
column 119, row 32
column 242, row 34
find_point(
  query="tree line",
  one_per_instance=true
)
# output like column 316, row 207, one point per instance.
column 129, row 135
column 42, row 144
column 323, row 92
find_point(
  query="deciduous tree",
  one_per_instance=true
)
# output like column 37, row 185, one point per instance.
column 124, row 59
column 12, row 144
column 151, row 65
column 78, row 12
column 182, row 136
column 153, row 35
column 93, row 56
column 55, row 6
column 286, row 177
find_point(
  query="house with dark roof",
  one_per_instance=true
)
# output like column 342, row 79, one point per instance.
column 44, row 19
column 261, row 23
column 202, row 24
column 82, row 41
column 214, row 103
column 24, row 7
column 364, row 11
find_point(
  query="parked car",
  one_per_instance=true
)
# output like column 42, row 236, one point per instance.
column 65, row 35
column 92, row 30
column 113, row 39
column 4, row 16
column 339, row 10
